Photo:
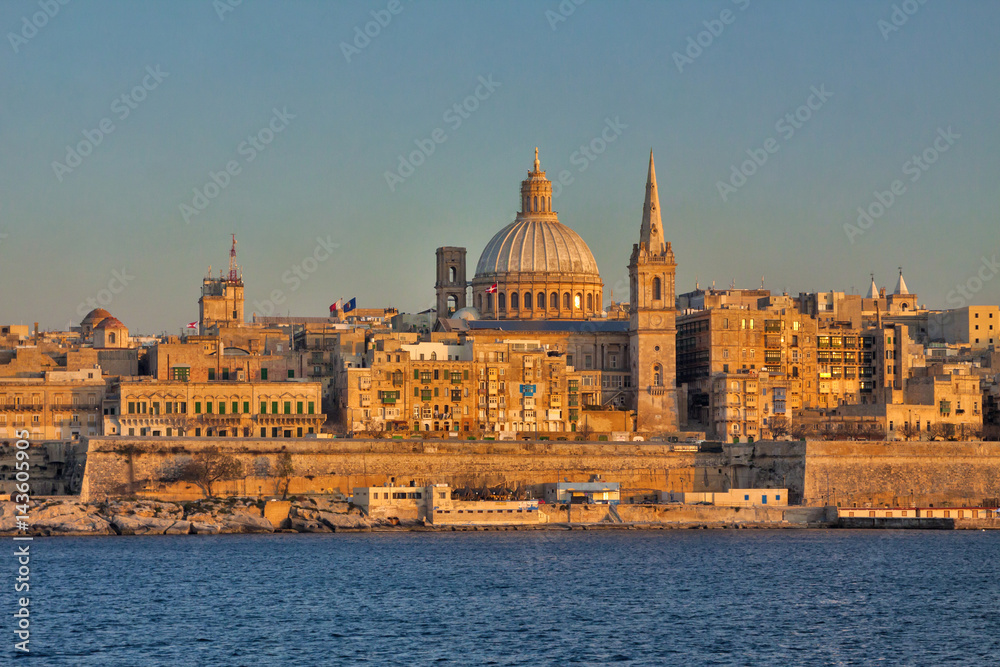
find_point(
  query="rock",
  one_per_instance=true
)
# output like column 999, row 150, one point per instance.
column 140, row 525
column 179, row 528
column 338, row 521
column 240, row 522
column 201, row 517
column 198, row 528
column 66, row 518
column 301, row 525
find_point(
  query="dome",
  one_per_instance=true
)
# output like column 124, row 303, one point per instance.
column 536, row 267
column 537, row 246
column 468, row 314
column 96, row 315
column 110, row 323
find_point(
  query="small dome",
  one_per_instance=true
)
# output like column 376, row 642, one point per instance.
column 110, row 323
column 469, row 314
column 96, row 315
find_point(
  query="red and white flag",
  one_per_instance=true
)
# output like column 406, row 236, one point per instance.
column 192, row 325
column 336, row 306
column 492, row 289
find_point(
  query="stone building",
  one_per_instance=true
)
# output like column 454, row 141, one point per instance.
column 750, row 405
column 152, row 407
column 52, row 404
column 538, row 278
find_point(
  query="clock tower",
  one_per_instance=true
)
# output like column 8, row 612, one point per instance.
column 652, row 314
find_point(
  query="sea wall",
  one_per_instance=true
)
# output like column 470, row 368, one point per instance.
column 849, row 473
column 130, row 466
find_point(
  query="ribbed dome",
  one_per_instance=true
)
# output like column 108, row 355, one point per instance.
column 537, row 246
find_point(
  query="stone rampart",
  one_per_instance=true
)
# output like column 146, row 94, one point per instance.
column 924, row 474
column 128, row 466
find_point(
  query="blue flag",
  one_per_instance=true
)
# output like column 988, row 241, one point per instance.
column 350, row 305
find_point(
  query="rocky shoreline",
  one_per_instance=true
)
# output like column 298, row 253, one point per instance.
column 204, row 517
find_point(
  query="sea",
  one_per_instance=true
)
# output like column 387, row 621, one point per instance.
column 581, row 597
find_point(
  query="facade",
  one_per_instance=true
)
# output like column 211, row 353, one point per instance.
column 463, row 388
column 978, row 326
column 250, row 409
column 590, row 493
column 749, row 406
column 58, row 405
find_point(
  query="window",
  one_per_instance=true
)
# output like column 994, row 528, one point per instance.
column 225, row 373
column 246, row 407
column 274, row 407
column 298, row 408
column 288, row 407
column 514, row 301
column 263, row 374
column 263, row 408
column 182, row 373
column 554, row 301
column 311, row 407
column 197, row 407
column 657, row 289
column 236, row 407
column 527, row 300
column 291, row 373
column 565, row 300
column 208, row 407
column 211, row 374
column 222, row 407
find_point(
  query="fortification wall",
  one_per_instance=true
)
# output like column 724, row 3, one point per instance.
column 901, row 473
column 125, row 466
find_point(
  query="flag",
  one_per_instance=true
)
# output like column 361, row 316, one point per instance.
column 336, row 306
column 192, row 325
column 350, row 305
column 492, row 289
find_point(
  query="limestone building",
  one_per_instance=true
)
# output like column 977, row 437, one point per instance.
column 151, row 407
column 537, row 278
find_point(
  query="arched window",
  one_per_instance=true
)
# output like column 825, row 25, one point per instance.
column 657, row 291
column 489, row 303
column 541, row 301
column 536, row 204
column 657, row 375
column 452, row 303
column 590, row 302
column 434, row 356
column 452, row 274
column 578, row 301
column 527, row 300
column 513, row 300
column 565, row 300
column 554, row 301
column 111, row 337
column 501, row 302
column 479, row 303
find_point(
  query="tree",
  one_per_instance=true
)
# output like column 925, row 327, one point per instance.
column 373, row 427
column 909, row 431
column 778, row 427
column 284, row 471
column 211, row 466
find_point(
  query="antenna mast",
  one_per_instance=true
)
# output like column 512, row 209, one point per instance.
column 233, row 270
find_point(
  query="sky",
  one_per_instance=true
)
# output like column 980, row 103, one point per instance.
column 809, row 144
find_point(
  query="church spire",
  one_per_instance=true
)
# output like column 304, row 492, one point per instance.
column 651, row 233
column 901, row 284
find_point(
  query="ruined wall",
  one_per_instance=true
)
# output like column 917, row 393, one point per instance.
column 125, row 466
column 901, row 473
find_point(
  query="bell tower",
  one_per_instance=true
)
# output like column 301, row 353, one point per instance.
column 652, row 319
column 451, row 284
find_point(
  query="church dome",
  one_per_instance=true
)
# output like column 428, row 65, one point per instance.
column 536, row 267
column 537, row 246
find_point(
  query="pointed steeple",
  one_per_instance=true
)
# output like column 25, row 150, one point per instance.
column 651, row 232
column 901, row 284
column 873, row 290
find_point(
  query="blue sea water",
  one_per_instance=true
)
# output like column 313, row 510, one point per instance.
column 678, row 597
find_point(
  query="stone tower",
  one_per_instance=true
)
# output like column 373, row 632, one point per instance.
column 221, row 301
column 451, row 284
column 652, row 328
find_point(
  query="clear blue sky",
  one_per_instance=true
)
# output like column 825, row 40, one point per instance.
column 323, row 175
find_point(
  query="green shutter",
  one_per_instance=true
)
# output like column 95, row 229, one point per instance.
column 197, row 407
